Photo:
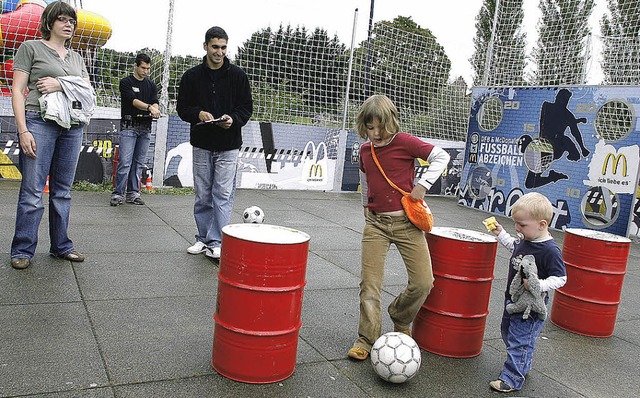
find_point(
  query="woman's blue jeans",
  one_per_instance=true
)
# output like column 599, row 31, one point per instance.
column 214, row 182
column 57, row 153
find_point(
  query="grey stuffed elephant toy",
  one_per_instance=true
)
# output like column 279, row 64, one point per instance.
column 524, row 300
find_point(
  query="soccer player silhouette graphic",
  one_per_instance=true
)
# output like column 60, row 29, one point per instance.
column 552, row 143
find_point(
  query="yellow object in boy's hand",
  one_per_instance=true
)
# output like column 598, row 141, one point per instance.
column 490, row 223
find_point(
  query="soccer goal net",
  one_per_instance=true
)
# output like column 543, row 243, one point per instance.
column 306, row 75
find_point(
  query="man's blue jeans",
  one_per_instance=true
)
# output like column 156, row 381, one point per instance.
column 520, row 336
column 214, row 182
column 132, row 150
column 57, row 152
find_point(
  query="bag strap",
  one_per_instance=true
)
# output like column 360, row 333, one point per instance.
column 375, row 160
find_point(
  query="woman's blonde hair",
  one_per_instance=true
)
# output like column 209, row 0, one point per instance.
column 378, row 107
column 51, row 13
column 536, row 205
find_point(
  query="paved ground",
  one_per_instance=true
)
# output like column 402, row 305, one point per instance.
column 135, row 319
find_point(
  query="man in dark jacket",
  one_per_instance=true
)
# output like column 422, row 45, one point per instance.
column 215, row 98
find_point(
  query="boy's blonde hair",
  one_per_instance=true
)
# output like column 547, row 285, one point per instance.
column 536, row 205
column 378, row 107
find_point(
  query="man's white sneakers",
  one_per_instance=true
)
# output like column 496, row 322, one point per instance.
column 197, row 248
column 213, row 252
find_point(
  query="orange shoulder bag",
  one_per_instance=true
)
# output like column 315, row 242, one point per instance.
column 417, row 211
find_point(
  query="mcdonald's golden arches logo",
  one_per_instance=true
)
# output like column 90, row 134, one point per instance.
column 616, row 159
column 315, row 170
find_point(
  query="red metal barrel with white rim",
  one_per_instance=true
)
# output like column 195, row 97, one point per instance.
column 596, row 263
column 259, row 302
column 452, row 320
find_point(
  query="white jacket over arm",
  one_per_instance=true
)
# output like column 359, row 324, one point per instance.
column 60, row 106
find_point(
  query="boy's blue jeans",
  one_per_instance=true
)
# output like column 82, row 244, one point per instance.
column 520, row 336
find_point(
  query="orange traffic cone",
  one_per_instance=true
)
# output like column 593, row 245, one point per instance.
column 148, row 186
column 46, row 186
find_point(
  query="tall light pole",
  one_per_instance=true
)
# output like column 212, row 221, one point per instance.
column 368, row 65
column 164, row 95
column 346, row 95
column 487, row 61
column 162, row 126
column 342, row 135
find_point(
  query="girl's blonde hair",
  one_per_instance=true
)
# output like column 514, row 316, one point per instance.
column 378, row 107
column 536, row 205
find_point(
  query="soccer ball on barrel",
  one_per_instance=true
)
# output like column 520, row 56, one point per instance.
column 396, row 357
column 253, row 215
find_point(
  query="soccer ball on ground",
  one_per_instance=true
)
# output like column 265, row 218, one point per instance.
column 395, row 357
column 253, row 215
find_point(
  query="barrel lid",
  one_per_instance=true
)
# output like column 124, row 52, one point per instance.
column 599, row 235
column 463, row 234
column 265, row 233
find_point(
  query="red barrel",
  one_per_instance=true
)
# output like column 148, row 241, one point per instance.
column 596, row 263
column 259, row 302
column 116, row 155
column 451, row 321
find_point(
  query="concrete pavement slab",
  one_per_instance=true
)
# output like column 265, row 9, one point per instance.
column 322, row 274
column 48, row 280
column 154, row 339
column 136, row 318
column 48, row 347
column 146, row 275
column 320, row 379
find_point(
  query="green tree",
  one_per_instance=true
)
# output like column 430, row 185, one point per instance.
column 560, row 52
column 508, row 57
column 621, row 42
column 453, row 108
column 484, row 25
column 403, row 61
column 109, row 66
column 326, row 78
column 306, row 68
column 448, row 116
column 254, row 54
column 177, row 66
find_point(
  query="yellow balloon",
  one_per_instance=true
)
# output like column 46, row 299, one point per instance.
column 93, row 30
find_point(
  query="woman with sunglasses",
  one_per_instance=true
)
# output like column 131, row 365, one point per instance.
column 46, row 148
